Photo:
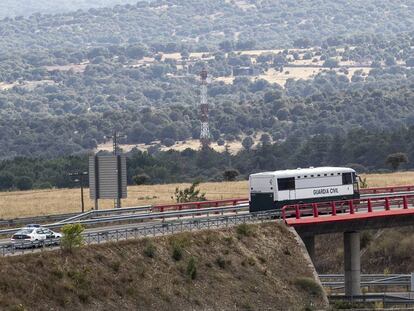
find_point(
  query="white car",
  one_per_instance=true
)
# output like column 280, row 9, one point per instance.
column 35, row 234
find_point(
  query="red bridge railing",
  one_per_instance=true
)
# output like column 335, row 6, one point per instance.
column 387, row 189
column 201, row 204
column 334, row 208
column 227, row 202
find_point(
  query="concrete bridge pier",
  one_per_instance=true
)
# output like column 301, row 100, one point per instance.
column 309, row 242
column 352, row 263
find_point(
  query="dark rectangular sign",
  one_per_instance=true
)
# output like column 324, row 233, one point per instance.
column 107, row 177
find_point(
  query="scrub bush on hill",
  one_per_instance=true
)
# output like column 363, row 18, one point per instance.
column 72, row 237
column 190, row 194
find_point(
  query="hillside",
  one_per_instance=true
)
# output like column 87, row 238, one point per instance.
column 260, row 267
column 286, row 69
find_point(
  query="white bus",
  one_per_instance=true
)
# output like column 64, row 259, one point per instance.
column 273, row 190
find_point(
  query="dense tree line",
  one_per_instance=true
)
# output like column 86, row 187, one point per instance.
column 362, row 149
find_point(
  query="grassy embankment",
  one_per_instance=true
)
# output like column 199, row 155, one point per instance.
column 255, row 267
column 43, row 202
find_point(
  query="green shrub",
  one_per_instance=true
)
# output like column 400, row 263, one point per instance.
column 192, row 268
column 190, row 194
column 177, row 253
column 115, row 265
column 72, row 237
column 309, row 285
column 83, row 297
column 244, row 230
column 179, row 242
column 339, row 305
column 58, row 273
column 149, row 250
column 221, row 262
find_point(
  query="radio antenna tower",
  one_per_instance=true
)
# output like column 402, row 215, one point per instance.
column 205, row 131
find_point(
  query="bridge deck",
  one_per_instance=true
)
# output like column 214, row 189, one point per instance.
column 347, row 217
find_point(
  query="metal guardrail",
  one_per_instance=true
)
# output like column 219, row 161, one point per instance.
column 336, row 281
column 142, row 217
column 116, row 211
column 390, row 287
column 35, row 219
column 387, row 299
column 391, row 189
column 164, row 228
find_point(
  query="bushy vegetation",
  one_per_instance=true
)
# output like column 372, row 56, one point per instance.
column 150, row 249
column 190, row 194
column 192, row 268
column 309, row 285
column 244, row 230
column 72, row 237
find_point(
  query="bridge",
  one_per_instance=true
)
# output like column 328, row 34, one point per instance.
column 377, row 208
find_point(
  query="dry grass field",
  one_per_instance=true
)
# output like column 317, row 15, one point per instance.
column 56, row 201
column 44, row 202
column 387, row 180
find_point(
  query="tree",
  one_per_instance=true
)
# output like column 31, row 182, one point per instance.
column 6, row 181
column 230, row 174
column 24, row 183
column 396, row 159
column 410, row 62
column 185, row 55
column 283, row 114
column 226, row 46
column 390, row 60
column 190, row 194
column 221, row 142
column 265, row 139
column 136, row 51
column 330, row 63
column 72, row 237
column 141, row 179
column 247, row 143
column 302, row 43
column 168, row 142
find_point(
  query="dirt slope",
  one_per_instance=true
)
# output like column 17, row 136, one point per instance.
column 255, row 267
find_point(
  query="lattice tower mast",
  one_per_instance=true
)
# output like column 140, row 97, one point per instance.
column 205, row 130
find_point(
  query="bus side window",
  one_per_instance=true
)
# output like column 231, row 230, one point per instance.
column 347, row 178
column 286, row 183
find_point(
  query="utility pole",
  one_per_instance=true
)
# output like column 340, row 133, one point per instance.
column 80, row 177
